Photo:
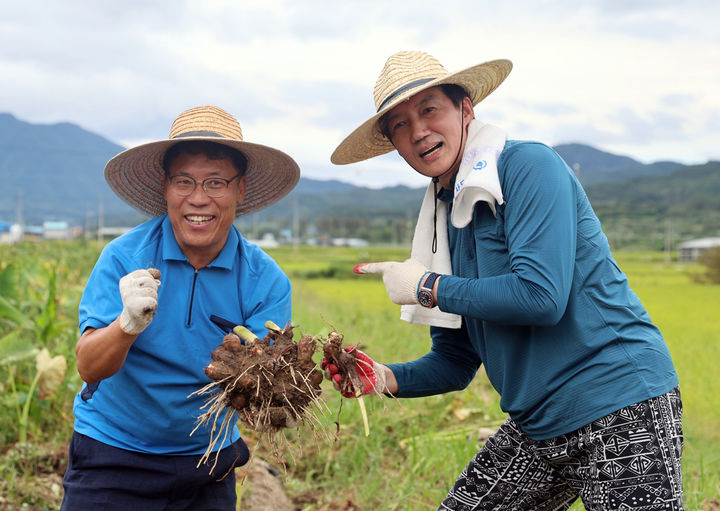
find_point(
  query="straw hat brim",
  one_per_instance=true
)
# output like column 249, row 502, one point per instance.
column 136, row 175
column 366, row 141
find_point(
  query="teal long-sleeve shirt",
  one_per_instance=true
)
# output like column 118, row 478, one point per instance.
column 545, row 308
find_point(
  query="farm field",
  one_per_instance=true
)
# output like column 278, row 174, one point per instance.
column 415, row 448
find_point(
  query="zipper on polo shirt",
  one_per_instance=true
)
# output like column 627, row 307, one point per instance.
column 192, row 298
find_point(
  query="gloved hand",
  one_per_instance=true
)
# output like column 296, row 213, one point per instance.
column 370, row 375
column 401, row 279
column 138, row 291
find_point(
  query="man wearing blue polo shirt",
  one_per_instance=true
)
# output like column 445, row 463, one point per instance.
column 146, row 333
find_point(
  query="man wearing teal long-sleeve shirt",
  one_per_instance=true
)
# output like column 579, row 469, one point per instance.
column 511, row 269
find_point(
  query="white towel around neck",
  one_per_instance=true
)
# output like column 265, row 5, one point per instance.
column 476, row 180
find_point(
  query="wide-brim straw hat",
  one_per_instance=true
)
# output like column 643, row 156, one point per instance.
column 405, row 74
column 137, row 175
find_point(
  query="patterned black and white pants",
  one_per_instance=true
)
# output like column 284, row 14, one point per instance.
column 628, row 460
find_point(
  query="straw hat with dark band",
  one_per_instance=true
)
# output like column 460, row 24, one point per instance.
column 405, row 74
column 137, row 175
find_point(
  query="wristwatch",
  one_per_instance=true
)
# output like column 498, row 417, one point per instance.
column 425, row 296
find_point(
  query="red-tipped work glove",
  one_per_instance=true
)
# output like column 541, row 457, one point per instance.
column 401, row 279
column 370, row 375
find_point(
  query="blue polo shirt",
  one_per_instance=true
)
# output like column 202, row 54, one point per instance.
column 145, row 406
column 563, row 338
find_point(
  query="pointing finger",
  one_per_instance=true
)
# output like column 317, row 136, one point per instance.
column 376, row 268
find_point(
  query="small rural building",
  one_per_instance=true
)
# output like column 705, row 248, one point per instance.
column 349, row 242
column 111, row 232
column 691, row 250
column 267, row 241
column 57, row 230
column 33, row 233
column 10, row 233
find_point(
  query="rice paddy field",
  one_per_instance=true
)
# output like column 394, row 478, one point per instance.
column 415, row 448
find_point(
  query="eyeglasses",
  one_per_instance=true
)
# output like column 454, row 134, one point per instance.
column 214, row 187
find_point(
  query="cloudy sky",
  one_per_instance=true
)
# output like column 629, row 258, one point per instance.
column 634, row 77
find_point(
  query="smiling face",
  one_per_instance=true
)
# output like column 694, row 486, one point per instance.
column 429, row 131
column 200, row 223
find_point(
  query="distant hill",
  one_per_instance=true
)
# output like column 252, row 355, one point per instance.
column 57, row 169
column 683, row 203
column 308, row 186
column 355, row 201
column 591, row 158
column 337, row 198
column 595, row 166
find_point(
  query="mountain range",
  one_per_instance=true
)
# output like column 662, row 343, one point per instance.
column 54, row 172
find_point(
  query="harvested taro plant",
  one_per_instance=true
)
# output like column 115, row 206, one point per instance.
column 270, row 383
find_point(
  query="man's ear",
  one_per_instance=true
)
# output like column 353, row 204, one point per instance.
column 241, row 189
column 468, row 110
column 165, row 187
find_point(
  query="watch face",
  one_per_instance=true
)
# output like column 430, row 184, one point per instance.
column 425, row 298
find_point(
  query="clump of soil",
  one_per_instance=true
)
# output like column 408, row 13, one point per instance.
column 37, row 470
column 269, row 382
column 262, row 488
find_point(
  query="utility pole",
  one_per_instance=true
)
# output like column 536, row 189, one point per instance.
column 88, row 216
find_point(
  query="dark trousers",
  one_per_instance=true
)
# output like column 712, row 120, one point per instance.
column 104, row 478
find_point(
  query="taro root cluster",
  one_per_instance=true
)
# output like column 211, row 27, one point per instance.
column 345, row 361
column 270, row 382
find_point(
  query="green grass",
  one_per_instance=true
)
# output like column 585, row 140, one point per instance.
column 687, row 314
column 416, row 447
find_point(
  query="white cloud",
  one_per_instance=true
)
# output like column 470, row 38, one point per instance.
column 639, row 79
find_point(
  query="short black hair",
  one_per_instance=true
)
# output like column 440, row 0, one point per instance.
column 212, row 150
column 454, row 92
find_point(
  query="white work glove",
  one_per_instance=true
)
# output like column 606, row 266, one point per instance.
column 401, row 279
column 138, row 291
